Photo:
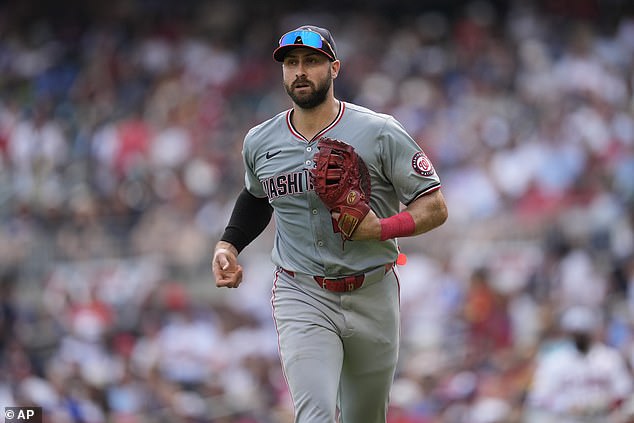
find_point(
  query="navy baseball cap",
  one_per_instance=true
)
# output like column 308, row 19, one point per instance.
column 309, row 36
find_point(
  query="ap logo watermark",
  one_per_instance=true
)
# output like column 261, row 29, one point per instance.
column 23, row 414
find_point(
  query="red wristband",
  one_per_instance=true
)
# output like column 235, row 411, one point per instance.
column 401, row 224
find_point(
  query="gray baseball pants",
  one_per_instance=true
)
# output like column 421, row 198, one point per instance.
column 339, row 351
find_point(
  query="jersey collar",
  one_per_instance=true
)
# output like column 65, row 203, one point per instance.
column 296, row 134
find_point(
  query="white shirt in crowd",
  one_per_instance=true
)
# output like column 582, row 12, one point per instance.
column 571, row 387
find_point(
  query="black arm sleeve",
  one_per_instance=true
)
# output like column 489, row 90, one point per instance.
column 249, row 218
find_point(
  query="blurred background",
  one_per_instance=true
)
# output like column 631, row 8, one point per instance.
column 121, row 126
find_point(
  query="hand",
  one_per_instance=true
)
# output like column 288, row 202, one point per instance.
column 227, row 271
column 369, row 228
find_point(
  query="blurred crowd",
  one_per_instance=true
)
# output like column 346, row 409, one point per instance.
column 120, row 138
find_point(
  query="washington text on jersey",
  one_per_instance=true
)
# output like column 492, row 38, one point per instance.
column 287, row 184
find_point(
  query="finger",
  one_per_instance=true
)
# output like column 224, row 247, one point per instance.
column 229, row 279
column 225, row 281
column 223, row 261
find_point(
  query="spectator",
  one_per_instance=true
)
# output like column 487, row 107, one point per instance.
column 486, row 313
column 583, row 378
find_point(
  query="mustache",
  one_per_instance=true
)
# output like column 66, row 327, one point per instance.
column 301, row 81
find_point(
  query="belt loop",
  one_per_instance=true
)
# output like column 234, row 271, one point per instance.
column 353, row 282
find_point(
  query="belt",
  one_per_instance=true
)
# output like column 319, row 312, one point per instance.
column 347, row 283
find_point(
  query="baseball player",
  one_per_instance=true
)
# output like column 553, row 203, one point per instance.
column 581, row 381
column 334, row 174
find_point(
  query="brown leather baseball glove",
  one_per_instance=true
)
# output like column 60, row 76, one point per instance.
column 342, row 181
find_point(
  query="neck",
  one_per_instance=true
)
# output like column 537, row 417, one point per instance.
column 310, row 121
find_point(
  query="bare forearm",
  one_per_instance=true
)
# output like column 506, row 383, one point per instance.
column 428, row 211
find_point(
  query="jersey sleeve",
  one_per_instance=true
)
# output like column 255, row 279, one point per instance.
column 251, row 181
column 405, row 163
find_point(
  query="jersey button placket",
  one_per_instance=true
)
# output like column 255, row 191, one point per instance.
column 308, row 161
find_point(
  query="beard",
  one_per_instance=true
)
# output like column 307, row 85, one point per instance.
column 582, row 342
column 315, row 97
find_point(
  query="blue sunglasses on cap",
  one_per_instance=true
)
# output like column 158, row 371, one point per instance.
column 305, row 38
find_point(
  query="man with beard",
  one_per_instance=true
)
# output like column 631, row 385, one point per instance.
column 335, row 304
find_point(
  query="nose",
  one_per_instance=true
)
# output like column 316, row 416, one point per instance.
column 299, row 70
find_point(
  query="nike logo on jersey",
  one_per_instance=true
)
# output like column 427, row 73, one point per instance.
column 270, row 155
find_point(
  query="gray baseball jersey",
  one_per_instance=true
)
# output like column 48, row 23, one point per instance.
column 277, row 160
